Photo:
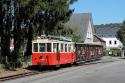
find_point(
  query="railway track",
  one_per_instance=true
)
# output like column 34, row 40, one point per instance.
column 32, row 72
column 41, row 72
column 18, row 76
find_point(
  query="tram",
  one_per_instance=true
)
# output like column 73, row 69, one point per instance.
column 52, row 51
column 88, row 52
column 58, row 50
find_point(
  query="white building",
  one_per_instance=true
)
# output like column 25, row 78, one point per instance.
column 109, row 35
column 83, row 24
column 112, row 42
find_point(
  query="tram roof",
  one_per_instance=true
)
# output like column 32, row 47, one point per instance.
column 50, row 38
column 60, row 38
column 88, row 43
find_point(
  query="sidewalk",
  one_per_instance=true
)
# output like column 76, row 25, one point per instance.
column 110, row 58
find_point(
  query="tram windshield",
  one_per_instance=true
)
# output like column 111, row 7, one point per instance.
column 41, row 47
column 35, row 49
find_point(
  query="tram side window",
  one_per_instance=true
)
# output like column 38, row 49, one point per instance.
column 54, row 47
column 85, row 48
column 73, row 48
column 69, row 48
column 62, row 48
column 42, row 47
column 48, row 47
column 65, row 47
column 35, row 46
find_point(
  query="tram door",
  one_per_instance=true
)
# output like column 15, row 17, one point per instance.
column 56, row 50
column 58, row 53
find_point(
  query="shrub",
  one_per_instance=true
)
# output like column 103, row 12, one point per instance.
column 2, row 67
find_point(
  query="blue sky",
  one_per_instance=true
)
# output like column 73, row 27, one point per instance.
column 103, row 11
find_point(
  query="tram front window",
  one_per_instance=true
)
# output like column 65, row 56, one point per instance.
column 35, row 46
column 42, row 47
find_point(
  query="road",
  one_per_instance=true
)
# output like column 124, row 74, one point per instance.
column 103, row 72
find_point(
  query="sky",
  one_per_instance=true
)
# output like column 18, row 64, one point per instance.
column 103, row 11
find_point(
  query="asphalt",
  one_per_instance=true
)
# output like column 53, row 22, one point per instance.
column 106, row 70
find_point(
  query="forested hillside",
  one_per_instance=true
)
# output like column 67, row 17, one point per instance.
column 111, row 25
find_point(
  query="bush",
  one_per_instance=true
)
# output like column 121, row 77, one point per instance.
column 2, row 67
column 115, row 52
column 106, row 52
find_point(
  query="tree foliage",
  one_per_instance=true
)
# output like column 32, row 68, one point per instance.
column 111, row 25
column 31, row 18
column 72, row 33
column 121, row 33
column 53, row 15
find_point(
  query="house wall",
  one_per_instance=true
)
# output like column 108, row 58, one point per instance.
column 112, row 42
column 89, row 36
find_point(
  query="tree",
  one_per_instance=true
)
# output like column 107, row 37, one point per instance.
column 1, row 21
column 121, row 33
column 31, row 18
column 69, row 32
column 5, row 27
column 1, row 18
column 48, row 15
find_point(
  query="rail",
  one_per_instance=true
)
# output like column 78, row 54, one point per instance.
column 17, row 76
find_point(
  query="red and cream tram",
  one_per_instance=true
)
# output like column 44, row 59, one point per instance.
column 52, row 51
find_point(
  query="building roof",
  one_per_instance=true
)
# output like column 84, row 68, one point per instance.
column 98, row 39
column 106, row 32
column 80, row 22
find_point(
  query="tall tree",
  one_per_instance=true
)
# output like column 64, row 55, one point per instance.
column 56, row 13
column 5, row 28
column 121, row 33
column 31, row 18
column 1, row 21
column 46, row 15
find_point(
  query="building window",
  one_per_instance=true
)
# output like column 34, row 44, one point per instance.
column 110, row 42
column 115, row 42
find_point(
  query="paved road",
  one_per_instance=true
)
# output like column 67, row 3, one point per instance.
column 111, row 72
